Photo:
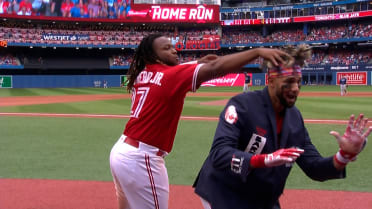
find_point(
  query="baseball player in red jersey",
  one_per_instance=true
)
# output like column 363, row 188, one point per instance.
column 159, row 85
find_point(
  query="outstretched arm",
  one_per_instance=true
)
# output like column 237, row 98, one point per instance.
column 352, row 142
column 232, row 63
column 207, row 58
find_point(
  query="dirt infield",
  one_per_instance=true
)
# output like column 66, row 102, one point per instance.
column 68, row 194
column 30, row 100
column 68, row 115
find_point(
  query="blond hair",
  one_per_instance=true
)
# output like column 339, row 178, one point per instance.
column 298, row 54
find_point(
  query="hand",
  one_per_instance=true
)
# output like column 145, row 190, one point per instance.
column 353, row 140
column 277, row 158
column 207, row 58
column 273, row 55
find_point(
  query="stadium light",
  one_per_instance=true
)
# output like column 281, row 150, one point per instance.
column 364, row 44
column 239, row 48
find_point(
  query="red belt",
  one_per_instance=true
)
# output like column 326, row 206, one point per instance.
column 135, row 144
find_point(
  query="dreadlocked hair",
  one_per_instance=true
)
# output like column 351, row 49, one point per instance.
column 299, row 55
column 144, row 54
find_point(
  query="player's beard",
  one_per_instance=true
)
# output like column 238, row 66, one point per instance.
column 282, row 99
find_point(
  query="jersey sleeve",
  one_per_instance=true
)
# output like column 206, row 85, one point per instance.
column 188, row 72
column 224, row 152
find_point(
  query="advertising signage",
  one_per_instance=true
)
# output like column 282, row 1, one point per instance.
column 209, row 42
column 3, row 43
column 227, row 80
column 173, row 13
column 289, row 7
column 256, row 21
column 339, row 16
column 149, row 13
column 338, row 67
column 64, row 37
column 6, row 81
column 353, row 78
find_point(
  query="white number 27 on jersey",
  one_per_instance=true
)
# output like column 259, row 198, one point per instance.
column 138, row 100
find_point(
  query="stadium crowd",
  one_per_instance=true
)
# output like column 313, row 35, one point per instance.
column 322, row 57
column 124, row 35
column 331, row 32
column 94, row 35
column 8, row 59
column 111, row 9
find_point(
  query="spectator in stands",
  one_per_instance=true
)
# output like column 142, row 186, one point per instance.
column 4, row 4
column 112, row 13
column 90, row 12
column 76, row 11
column 83, row 8
column 66, row 7
column 93, row 8
column 55, row 7
column 13, row 7
column 36, row 6
column 24, row 11
column 115, row 8
column 103, row 12
column 110, row 3
column 84, row 11
column 25, row 8
column 122, row 9
column 44, row 8
column 127, row 7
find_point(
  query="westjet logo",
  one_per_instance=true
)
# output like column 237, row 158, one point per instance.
column 62, row 37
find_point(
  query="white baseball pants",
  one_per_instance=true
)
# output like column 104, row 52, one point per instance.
column 140, row 176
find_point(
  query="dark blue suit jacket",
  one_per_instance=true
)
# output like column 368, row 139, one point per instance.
column 226, row 179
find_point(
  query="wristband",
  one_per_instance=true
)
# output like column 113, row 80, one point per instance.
column 340, row 159
column 347, row 155
column 343, row 157
column 258, row 161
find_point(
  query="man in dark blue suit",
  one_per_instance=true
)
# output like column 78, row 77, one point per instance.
column 260, row 135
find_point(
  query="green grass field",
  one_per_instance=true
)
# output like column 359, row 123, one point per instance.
column 78, row 148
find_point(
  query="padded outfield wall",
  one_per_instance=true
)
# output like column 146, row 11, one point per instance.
column 63, row 81
column 257, row 79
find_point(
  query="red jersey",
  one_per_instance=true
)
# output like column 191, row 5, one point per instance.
column 157, row 100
